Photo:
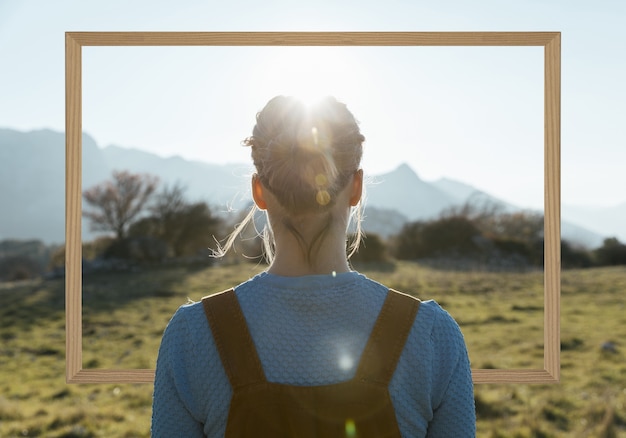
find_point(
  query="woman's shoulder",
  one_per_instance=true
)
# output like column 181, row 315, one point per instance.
column 434, row 326
column 188, row 319
column 437, row 313
column 436, row 331
column 188, row 310
column 429, row 311
column 442, row 324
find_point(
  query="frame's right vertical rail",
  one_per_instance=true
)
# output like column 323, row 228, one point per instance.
column 552, row 207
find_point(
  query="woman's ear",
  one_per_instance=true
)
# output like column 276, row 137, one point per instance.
column 357, row 187
column 257, row 192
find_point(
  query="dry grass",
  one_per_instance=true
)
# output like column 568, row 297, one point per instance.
column 500, row 313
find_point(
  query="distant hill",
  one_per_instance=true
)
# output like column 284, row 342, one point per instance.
column 606, row 221
column 462, row 192
column 404, row 191
column 32, row 178
column 32, row 181
column 216, row 184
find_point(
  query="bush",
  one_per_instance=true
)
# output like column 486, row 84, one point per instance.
column 407, row 245
column 449, row 236
column 371, row 250
column 611, row 253
column 90, row 251
column 138, row 249
column 574, row 257
column 531, row 251
column 19, row 267
column 186, row 231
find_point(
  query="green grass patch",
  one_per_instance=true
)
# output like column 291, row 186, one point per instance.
column 501, row 315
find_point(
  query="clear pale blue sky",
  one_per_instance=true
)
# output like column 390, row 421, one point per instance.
column 472, row 114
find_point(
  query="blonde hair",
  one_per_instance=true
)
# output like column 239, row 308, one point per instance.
column 304, row 155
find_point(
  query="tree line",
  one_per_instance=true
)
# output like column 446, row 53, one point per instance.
column 149, row 224
column 480, row 233
column 143, row 222
column 484, row 236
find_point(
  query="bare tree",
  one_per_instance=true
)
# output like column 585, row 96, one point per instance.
column 186, row 227
column 170, row 201
column 118, row 202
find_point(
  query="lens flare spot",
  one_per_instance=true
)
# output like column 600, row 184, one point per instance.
column 345, row 362
column 315, row 136
column 322, row 197
column 350, row 428
column 321, row 180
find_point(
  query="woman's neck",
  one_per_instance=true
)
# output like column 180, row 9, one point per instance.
column 329, row 256
column 289, row 267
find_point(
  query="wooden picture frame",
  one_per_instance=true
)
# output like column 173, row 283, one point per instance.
column 551, row 41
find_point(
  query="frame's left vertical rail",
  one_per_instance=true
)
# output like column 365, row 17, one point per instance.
column 73, row 209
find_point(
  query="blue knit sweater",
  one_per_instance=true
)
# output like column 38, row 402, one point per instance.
column 311, row 330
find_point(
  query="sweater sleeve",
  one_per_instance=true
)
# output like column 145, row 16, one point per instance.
column 172, row 412
column 454, row 413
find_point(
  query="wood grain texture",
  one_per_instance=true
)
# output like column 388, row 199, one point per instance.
column 73, row 247
column 512, row 376
column 551, row 41
column 312, row 38
column 552, row 208
column 113, row 376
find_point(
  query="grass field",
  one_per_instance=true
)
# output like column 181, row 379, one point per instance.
column 500, row 314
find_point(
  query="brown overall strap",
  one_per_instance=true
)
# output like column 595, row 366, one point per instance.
column 380, row 356
column 232, row 338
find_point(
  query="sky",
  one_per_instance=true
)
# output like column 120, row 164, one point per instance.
column 470, row 114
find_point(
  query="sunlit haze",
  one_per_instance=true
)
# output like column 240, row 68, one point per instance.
column 470, row 114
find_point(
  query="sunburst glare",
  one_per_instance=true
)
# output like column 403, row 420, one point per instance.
column 346, row 362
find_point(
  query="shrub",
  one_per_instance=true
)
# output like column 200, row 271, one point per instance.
column 19, row 267
column 574, row 257
column 90, row 251
column 611, row 253
column 371, row 250
column 187, row 230
column 139, row 249
column 448, row 236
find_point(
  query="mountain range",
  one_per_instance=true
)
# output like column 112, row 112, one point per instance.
column 32, row 190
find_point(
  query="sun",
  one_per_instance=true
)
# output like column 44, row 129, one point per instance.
column 310, row 73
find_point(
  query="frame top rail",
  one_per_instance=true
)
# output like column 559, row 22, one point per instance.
column 313, row 38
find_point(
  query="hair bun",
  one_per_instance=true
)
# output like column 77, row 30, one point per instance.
column 305, row 155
